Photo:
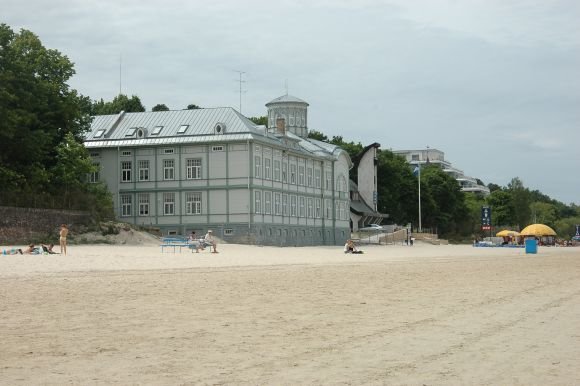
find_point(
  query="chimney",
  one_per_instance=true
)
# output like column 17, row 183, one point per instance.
column 281, row 126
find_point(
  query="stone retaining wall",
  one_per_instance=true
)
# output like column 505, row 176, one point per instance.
column 20, row 226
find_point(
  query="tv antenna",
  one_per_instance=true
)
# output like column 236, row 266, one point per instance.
column 240, row 81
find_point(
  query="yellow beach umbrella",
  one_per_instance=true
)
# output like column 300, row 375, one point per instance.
column 538, row 230
column 506, row 233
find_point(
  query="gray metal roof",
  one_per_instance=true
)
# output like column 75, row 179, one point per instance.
column 201, row 129
column 286, row 99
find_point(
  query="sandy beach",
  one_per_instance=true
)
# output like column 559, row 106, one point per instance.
column 421, row 315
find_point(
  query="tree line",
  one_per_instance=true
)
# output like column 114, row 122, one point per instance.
column 44, row 164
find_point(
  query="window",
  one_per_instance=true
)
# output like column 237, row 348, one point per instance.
column 284, row 172
column 277, row 206
column 317, row 178
column 182, row 129
column 156, row 130
column 125, row 205
column 99, row 133
column 309, row 176
column 168, row 204
column 284, row 204
column 276, row 170
column 217, row 148
column 94, row 154
column 168, row 169
column 341, row 187
column 95, row 176
column 328, row 207
column 328, row 179
column 267, row 168
column 300, row 175
column 317, row 208
column 342, row 212
column 414, row 157
column 168, row 151
column 301, row 208
column 228, row 232
column 143, row 204
column 258, row 167
column 131, row 132
column 143, row 170
column 258, row 201
column 193, row 168
column 126, row 171
column 126, row 153
column 310, row 212
column 293, row 206
column 267, row 202
column 293, row 174
column 193, row 203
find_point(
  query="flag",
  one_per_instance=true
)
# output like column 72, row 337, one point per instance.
column 416, row 171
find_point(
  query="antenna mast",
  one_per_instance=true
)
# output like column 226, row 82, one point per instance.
column 120, row 72
column 240, row 81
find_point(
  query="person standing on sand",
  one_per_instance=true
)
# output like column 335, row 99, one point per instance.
column 63, row 234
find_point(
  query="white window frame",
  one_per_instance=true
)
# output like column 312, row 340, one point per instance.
column 310, row 208
column 258, row 201
column 168, row 204
column 293, row 205
column 95, row 176
column 284, row 204
column 268, row 202
column 317, row 173
column 293, row 174
column 193, row 168
column 143, row 169
column 126, row 203
column 284, row 171
column 277, row 170
column 257, row 166
column 301, row 207
column 300, row 174
column 277, row 204
column 168, row 169
column 308, row 176
column 193, row 203
column 143, row 200
column 317, row 208
column 126, row 171
column 267, row 163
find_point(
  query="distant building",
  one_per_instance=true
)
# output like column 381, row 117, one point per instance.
column 215, row 169
column 437, row 157
column 364, row 194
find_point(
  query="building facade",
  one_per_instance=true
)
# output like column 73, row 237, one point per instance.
column 437, row 157
column 193, row 170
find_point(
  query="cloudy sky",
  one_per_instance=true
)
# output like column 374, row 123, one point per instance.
column 495, row 84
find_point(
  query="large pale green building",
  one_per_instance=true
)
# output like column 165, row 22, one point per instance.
column 194, row 170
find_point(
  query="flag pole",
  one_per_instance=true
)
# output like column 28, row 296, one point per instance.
column 419, row 166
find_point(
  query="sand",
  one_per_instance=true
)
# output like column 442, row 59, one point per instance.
column 422, row 315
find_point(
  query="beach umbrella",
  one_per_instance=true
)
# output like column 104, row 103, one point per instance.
column 538, row 230
column 506, row 233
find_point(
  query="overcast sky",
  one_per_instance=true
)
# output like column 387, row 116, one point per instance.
column 495, row 84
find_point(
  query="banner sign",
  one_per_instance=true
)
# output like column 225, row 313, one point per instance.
column 485, row 218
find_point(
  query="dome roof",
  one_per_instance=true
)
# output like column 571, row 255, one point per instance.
column 286, row 99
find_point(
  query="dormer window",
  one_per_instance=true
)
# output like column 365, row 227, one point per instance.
column 131, row 132
column 182, row 129
column 156, row 130
column 219, row 128
column 99, row 133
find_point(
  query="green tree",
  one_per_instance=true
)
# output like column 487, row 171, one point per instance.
column 160, row 107
column 502, row 210
column 37, row 110
column 520, row 201
column 193, row 107
column 317, row 135
column 544, row 213
column 259, row 120
column 397, row 188
column 71, row 169
column 120, row 103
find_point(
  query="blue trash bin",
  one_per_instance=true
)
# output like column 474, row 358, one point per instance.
column 531, row 246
